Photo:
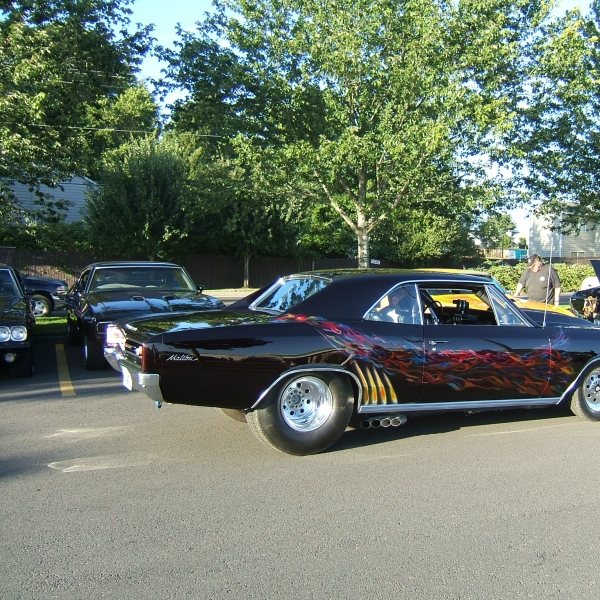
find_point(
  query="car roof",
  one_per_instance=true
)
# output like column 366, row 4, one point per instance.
column 399, row 274
column 353, row 291
column 131, row 263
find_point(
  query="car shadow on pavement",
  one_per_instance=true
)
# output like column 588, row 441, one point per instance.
column 444, row 423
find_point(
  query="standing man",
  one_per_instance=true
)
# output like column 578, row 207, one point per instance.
column 541, row 281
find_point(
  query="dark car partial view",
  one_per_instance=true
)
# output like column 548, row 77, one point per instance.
column 585, row 303
column 16, row 324
column 318, row 351
column 48, row 293
column 108, row 291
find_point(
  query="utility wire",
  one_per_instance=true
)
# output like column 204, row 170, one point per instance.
column 163, row 132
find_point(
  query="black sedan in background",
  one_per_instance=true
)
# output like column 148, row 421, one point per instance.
column 316, row 351
column 48, row 293
column 16, row 324
column 107, row 291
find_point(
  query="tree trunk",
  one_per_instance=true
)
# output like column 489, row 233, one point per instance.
column 363, row 248
column 246, row 271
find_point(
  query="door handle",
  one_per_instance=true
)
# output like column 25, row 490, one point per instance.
column 435, row 342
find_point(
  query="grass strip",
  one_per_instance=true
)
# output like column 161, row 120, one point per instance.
column 50, row 326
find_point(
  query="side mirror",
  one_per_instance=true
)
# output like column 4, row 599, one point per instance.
column 200, row 288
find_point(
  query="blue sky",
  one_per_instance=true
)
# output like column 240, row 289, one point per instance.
column 166, row 15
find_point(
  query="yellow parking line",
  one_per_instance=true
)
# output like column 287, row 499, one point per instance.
column 66, row 387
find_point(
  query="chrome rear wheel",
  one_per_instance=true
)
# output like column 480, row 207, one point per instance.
column 306, row 403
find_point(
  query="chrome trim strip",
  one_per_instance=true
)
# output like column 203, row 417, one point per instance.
column 448, row 406
column 303, row 369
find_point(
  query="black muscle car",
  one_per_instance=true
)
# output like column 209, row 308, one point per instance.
column 107, row 291
column 16, row 324
column 315, row 351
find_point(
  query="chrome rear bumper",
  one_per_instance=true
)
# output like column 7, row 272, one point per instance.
column 133, row 378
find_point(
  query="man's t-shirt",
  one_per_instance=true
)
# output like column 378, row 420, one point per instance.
column 537, row 285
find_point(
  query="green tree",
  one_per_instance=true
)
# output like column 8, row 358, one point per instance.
column 496, row 231
column 380, row 105
column 243, row 203
column 117, row 119
column 145, row 202
column 59, row 60
column 556, row 141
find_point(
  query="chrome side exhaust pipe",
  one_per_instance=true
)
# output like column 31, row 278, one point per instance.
column 387, row 421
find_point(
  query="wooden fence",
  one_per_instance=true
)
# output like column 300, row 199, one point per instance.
column 213, row 272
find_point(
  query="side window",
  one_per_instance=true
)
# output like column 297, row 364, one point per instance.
column 455, row 304
column 399, row 305
column 505, row 312
column 468, row 304
column 83, row 280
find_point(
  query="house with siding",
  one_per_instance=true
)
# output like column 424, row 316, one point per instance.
column 73, row 191
column 578, row 246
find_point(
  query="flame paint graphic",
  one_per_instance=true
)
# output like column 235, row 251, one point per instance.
column 527, row 373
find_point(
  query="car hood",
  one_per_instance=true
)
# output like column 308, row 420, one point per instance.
column 525, row 304
column 13, row 310
column 149, row 326
column 116, row 305
column 46, row 280
column 557, row 319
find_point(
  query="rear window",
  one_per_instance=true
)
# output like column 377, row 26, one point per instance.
column 286, row 293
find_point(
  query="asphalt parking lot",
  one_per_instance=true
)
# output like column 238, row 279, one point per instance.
column 103, row 496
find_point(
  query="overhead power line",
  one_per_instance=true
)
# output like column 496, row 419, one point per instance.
column 111, row 129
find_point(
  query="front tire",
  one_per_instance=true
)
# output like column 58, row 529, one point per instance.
column 585, row 402
column 73, row 335
column 42, row 307
column 305, row 414
column 93, row 356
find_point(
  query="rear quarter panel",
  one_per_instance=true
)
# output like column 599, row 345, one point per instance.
column 230, row 367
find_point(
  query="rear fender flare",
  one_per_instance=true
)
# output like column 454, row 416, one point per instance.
column 312, row 369
column 592, row 364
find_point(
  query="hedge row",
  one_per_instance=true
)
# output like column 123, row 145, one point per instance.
column 571, row 276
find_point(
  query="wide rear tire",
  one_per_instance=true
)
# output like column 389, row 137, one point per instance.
column 234, row 414
column 304, row 414
column 585, row 402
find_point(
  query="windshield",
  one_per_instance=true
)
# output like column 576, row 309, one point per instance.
column 172, row 279
column 8, row 286
column 286, row 293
